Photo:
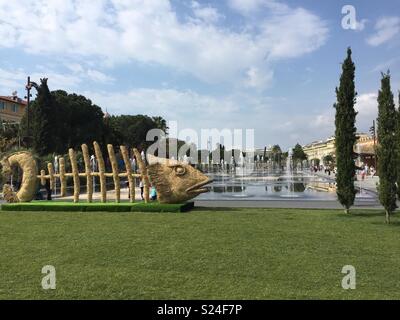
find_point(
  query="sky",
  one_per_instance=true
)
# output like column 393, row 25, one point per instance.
column 267, row 65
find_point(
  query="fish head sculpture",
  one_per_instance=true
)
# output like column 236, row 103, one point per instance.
column 174, row 181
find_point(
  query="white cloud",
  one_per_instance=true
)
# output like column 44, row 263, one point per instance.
column 324, row 120
column 293, row 33
column 246, row 7
column 265, row 115
column 98, row 76
column 384, row 66
column 257, row 78
column 119, row 31
column 367, row 108
column 367, row 104
column 11, row 80
column 173, row 104
column 386, row 28
column 360, row 24
column 207, row 14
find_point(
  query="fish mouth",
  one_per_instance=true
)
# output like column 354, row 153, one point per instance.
column 198, row 188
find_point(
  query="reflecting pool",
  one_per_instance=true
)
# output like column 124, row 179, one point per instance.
column 262, row 185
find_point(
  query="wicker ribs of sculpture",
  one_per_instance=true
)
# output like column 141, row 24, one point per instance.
column 101, row 173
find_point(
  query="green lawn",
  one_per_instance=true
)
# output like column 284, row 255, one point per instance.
column 203, row 254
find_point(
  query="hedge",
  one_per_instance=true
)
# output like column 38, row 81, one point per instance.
column 58, row 206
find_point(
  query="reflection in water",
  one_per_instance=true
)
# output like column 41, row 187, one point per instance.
column 277, row 188
column 262, row 185
column 230, row 189
column 298, row 187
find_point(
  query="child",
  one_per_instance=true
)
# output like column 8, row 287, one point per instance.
column 153, row 193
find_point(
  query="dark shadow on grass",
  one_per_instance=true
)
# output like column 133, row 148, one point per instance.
column 196, row 208
column 395, row 224
column 358, row 214
column 367, row 213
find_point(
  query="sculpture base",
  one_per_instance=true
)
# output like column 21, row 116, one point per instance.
column 97, row 206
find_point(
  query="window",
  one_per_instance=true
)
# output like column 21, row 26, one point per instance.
column 2, row 105
column 15, row 108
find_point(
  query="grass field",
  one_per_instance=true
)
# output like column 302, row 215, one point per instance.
column 203, row 254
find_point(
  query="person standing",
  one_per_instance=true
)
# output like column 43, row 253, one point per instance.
column 153, row 193
column 141, row 186
column 133, row 164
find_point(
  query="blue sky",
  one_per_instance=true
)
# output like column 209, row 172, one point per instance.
column 267, row 65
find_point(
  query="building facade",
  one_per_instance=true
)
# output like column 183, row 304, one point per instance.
column 12, row 109
column 364, row 149
column 317, row 150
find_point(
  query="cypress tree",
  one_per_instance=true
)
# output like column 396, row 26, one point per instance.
column 398, row 147
column 42, row 120
column 345, row 134
column 387, row 169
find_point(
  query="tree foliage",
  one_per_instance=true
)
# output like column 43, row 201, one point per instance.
column 133, row 130
column 387, row 169
column 329, row 160
column 398, row 147
column 59, row 120
column 345, row 133
column 40, row 126
column 298, row 154
column 9, row 136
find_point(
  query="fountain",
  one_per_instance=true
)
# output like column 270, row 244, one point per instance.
column 250, row 182
column 289, row 176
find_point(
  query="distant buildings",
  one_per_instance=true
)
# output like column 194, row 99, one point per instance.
column 12, row 108
column 320, row 149
column 364, row 149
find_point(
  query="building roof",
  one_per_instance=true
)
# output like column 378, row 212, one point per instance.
column 14, row 100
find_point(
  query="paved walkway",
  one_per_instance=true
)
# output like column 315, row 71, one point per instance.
column 301, row 204
column 110, row 195
column 369, row 183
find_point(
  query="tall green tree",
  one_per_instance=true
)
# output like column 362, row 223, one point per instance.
column 133, row 129
column 298, row 154
column 345, row 134
column 78, row 121
column 41, row 127
column 387, row 164
column 59, row 121
column 276, row 152
column 160, row 123
column 328, row 160
column 398, row 147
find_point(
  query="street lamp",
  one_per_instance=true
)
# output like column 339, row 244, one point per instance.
column 28, row 96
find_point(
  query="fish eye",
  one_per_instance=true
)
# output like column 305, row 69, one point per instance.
column 179, row 170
